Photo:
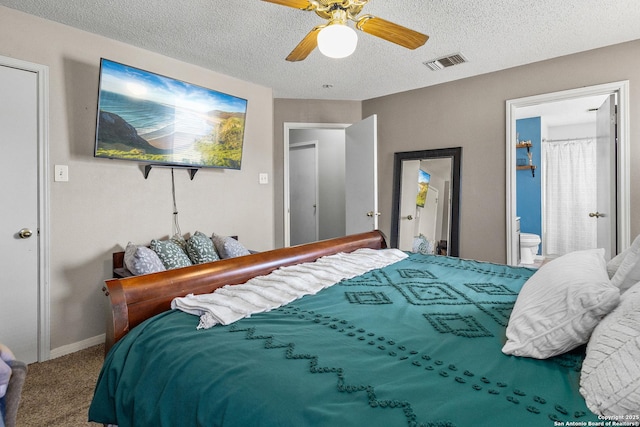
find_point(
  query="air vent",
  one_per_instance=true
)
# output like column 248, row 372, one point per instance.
column 445, row 61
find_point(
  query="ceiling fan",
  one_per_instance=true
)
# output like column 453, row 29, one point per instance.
column 338, row 12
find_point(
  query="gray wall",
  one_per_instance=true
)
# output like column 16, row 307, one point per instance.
column 471, row 113
column 107, row 203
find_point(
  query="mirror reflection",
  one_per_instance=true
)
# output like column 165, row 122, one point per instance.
column 426, row 196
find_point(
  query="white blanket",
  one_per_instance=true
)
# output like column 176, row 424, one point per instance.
column 263, row 293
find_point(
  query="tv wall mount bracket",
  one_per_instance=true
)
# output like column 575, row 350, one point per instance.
column 192, row 170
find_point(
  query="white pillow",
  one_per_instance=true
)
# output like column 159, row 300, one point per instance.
column 610, row 378
column 628, row 273
column 559, row 305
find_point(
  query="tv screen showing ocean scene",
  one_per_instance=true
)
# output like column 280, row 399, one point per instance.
column 151, row 118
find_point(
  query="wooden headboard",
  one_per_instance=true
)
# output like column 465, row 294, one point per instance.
column 136, row 298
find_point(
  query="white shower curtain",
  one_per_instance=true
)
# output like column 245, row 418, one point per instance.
column 570, row 180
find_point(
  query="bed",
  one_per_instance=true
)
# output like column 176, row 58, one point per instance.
column 417, row 342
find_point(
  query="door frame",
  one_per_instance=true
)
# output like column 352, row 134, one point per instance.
column 289, row 126
column 313, row 144
column 42, row 73
column 623, row 215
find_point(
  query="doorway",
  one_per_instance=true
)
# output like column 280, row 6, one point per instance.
column 24, row 306
column 347, row 201
column 330, row 209
column 617, row 187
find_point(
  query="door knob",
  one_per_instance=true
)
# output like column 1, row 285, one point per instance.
column 596, row 215
column 409, row 217
column 25, row 233
column 370, row 213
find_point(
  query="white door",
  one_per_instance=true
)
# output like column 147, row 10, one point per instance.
column 303, row 190
column 429, row 214
column 605, row 213
column 19, row 220
column 361, row 176
column 408, row 209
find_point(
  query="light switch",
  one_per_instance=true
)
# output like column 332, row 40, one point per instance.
column 263, row 178
column 61, row 173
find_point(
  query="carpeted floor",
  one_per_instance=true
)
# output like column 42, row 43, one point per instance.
column 58, row 392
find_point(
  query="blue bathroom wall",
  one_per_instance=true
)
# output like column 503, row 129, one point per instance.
column 528, row 187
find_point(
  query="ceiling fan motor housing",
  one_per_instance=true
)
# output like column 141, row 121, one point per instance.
column 326, row 8
column 337, row 13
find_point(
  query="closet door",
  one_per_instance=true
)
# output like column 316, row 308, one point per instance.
column 303, row 192
column 19, row 225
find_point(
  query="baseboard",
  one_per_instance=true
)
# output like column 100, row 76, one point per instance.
column 76, row 346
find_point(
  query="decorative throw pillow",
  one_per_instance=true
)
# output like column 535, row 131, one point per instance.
column 614, row 263
column 628, row 273
column 228, row 247
column 180, row 241
column 170, row 253
column 141, row 260
column 6, row 357
column 610, row 378
column 559, row 305
column 200, row 248
column 422, row 245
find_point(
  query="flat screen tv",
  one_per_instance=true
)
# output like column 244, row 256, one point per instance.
column 155, row 119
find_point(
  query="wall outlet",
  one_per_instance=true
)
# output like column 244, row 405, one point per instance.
column 61, row 173
column 263, row 178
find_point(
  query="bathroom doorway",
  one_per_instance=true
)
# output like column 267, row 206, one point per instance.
column 564, row 120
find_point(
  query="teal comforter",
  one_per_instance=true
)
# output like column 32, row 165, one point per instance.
column 416, row 343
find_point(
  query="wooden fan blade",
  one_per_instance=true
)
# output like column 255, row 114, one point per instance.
column 297, row 4
column 391, row 32
column 306, row 46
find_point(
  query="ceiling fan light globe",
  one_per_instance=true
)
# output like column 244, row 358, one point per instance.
column 337, row 41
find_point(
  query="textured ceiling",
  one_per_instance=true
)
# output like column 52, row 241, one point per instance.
column 249, row 39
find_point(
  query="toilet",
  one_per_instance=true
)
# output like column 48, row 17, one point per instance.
column 529, row 244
